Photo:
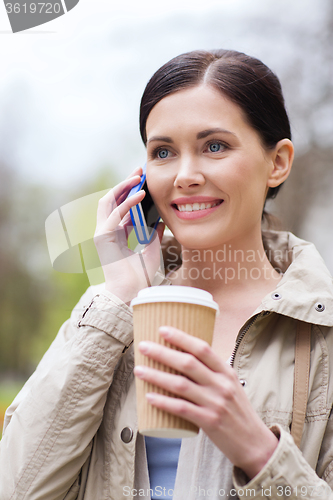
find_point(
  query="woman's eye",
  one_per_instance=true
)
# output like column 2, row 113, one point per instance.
column 159, row 153
column 215, row 147
column 162, row 153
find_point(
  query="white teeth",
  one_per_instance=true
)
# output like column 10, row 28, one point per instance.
column 196, row 206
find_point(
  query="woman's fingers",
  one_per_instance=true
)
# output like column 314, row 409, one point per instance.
column 109, row 202
column 121, row 188
column 122, row 210
column 207, row 398
column 196, row 414
column 203, row 404
column 200, row 349
column 137, row 172
column 177, row 384
column 125, row 271
column 183, row 362
column 115, row 216
column 127, row 225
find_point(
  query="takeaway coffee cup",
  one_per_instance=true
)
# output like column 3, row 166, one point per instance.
column 189, row 309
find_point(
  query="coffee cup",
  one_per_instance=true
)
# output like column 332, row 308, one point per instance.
column 189, row 309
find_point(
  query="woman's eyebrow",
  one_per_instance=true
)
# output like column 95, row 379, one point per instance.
column 200, row 135
column 210, row 131
column 160, row 138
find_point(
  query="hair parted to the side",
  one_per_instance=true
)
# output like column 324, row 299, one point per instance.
column 243, row 79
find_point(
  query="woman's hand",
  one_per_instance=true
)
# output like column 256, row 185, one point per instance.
column 126, row 272
column 210, row 396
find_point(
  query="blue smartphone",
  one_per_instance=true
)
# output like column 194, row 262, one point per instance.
column 144, row 215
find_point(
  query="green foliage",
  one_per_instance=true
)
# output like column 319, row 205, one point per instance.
column 64, row 291
column 34, row 298
column 20, row 314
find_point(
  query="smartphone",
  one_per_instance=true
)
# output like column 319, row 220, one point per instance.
column 144, row 215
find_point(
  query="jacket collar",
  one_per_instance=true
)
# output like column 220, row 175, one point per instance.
column 306, row 283
column 306, row 290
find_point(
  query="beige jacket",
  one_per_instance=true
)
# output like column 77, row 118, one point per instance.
column 71, row 433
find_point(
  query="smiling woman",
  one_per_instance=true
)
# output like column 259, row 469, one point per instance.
column 211, row 155
column 218, row 145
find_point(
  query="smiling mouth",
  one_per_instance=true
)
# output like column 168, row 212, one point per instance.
column 194, row 207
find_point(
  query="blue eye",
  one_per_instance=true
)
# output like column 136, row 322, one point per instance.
column 214, row 147
column 162, row 153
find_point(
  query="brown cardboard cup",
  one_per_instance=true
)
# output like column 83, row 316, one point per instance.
column 189, row 309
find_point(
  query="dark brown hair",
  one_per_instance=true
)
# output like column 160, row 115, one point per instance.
column 244, row 80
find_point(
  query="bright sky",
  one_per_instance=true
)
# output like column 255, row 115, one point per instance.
column 70, row 89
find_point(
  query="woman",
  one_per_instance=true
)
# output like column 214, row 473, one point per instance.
column 218, row 145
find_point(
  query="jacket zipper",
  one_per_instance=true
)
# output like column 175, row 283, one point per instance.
column 242, row 335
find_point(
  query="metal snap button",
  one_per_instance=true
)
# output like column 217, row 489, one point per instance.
column 319, row 307
column 126, row 434
column 242, row 382
column 276, row 296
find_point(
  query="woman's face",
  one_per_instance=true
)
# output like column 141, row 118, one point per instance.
column 206, row 168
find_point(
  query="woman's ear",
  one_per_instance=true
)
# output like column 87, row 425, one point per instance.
column 282, row 160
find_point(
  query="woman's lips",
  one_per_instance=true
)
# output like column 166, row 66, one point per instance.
column 196, row 214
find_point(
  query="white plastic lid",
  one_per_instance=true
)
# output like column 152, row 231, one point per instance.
column 185, row 294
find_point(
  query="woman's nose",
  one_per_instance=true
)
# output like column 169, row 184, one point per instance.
column 189, row 174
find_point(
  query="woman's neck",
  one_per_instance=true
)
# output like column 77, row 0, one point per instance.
column 234, row 267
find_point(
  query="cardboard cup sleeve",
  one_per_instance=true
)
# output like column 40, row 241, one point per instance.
column 189, row 309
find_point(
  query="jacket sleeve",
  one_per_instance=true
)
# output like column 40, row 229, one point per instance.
column 49, row 427
column 286, row 475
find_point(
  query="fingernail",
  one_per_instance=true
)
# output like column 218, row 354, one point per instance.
column 164, row 331
column 139, row 371
column 143, row 347
column 139, row 193
column 150, row 396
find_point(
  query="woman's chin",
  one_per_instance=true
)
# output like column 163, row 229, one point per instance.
column 195, row 241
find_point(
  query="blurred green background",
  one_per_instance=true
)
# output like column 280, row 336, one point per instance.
column 34, row 298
